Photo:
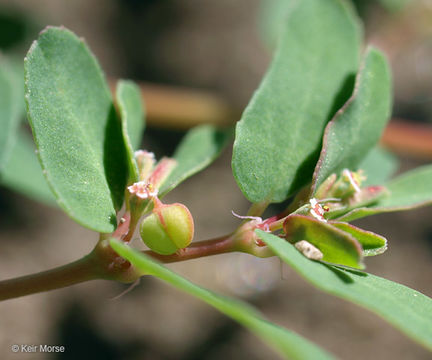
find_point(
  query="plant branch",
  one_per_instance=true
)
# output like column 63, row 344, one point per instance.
column 257, row 209
column 74, row 273
column 104, row 263
column 197, row 249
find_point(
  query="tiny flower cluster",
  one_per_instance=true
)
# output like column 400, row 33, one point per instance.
column 345, row 192
column 143, row 190
column 317, row 211
column 344, row 187
column 139, row 154
column 145, row 162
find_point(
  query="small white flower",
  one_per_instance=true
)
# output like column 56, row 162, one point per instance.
column 141, row 153
column 143, row 190
column 317, row 210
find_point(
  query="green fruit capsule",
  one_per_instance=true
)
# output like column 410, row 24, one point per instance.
column 168, row 228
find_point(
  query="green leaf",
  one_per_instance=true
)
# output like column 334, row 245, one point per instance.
column 75, row 127
column 128, row 96
column 378, row 166
column 337, row 246
column 372, row 244
column 408, row 310
column 408, row 191
column 357, row 127
column 287, row 343
column 197, row 150
column 23, row 172
column 279, row 136
column 11, row 108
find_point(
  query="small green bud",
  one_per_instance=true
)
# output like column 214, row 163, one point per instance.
column 348, row 184
column 145, row 162
column 168, row 228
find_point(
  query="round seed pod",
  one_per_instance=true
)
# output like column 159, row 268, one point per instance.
column 168, row 228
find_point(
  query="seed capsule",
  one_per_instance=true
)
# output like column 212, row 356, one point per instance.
column 168, row 228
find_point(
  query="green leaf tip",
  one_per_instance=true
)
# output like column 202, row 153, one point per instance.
column 76, row 130
column 128, row 96
column 336, row 245
column 372, row 244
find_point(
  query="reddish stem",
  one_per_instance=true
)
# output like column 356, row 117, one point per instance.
column 198, row 249
column 103, row 263
column 123, row 226
column 126, row 228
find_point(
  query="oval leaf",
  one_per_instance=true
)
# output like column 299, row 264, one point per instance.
column 408, row 191
column 75, row 127
column 372, row 244
column 279, row 135
column 287, row 343
column 197, row 150
column 408, row 310
column 337, row 246
column 128, row 97
column 357, row 127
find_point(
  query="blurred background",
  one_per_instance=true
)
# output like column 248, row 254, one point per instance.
column 202, row 60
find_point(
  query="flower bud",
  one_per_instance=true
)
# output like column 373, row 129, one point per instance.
column 348, row 184
column 145, row 162
column 168, row 228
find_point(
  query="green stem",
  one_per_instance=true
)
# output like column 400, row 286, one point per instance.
column 102, row 263
column 76, row 272
column 277, row 225
column 257, row 209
